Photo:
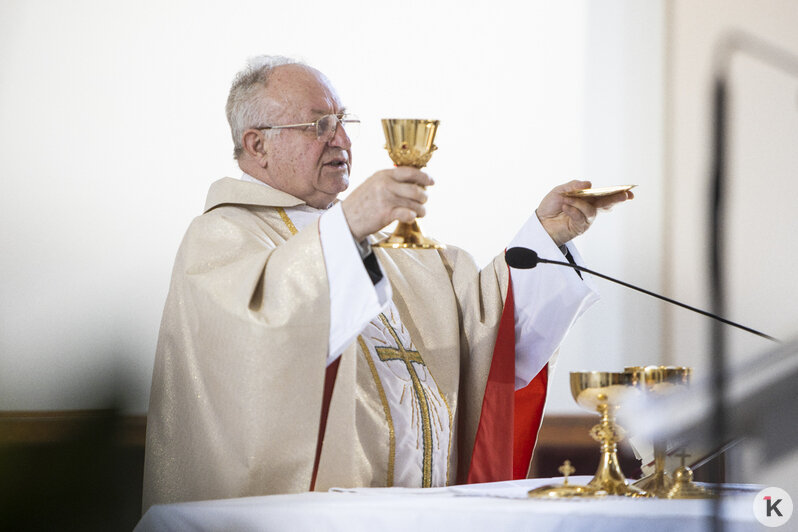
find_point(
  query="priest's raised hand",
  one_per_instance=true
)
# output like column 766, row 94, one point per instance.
column 565, row 218
column 388, row 195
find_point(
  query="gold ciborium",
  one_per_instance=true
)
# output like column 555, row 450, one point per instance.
column 603, row 392
column 663, row 380
column 659, row 380
column 409, row 143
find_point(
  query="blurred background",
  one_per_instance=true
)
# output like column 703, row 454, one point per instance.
column 112, row 128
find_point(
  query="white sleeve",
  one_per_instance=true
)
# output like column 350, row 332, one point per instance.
column 354, row 299
column 548, row 300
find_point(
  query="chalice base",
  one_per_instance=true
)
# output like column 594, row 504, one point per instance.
column 408, row 236
column 658, row 484
column 565, row 491
column 609, row 478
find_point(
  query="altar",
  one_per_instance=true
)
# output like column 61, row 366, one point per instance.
column 492, row 506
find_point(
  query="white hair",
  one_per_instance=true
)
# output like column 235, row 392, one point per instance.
column 245, row 107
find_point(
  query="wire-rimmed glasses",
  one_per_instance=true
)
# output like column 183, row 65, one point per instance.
column 326, row 126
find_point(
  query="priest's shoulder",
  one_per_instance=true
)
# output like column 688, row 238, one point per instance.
column 230, row 191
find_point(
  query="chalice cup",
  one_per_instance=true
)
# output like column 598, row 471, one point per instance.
column 410, row 142
column 659, row 380
column 603, row 392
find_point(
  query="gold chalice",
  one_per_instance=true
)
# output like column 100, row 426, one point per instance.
column 603, row 392
column 409, row 143
column 663, row 380
column 659, row 380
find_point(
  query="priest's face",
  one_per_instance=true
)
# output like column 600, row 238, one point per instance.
column 297, row 162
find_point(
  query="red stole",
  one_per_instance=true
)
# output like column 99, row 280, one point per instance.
column 510, row 419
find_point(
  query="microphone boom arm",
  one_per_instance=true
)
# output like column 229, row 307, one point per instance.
column 658, row 296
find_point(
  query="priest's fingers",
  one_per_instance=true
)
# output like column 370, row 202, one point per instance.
column 403, row 214
column 409, row 191
column 564, row 217
column 408, row 174
column 575, row 184
column 404, row 204
column 551, row 204
column 608, row 202
column 579, row 210
column 388, row 195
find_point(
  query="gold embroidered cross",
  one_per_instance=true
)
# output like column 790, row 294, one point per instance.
column 386, row 353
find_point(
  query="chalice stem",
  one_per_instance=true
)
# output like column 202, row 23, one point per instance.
column 659, row 482
column 407, row 229
column 409, row 235
column 608, row 475
column 659, row 458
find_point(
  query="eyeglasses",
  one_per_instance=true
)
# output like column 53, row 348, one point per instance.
column 326, row 126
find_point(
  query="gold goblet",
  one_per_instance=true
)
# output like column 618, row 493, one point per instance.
column 659, row 380
column 603, row 392
column 409, row 143
column 662, row 380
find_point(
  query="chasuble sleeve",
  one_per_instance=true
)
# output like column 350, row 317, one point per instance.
column 354, row 298
column 240, row 364
column 548, row 301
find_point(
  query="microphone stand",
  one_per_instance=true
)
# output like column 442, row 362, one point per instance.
column 658, row 296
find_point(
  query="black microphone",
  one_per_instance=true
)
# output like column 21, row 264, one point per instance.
column 525, row 259
column 522, row 258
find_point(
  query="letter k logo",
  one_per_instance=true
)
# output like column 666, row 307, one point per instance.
column 772, row 506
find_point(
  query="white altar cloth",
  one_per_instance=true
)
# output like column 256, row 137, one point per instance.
column 494, row 506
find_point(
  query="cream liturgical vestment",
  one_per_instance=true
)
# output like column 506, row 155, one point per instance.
column 239, row 375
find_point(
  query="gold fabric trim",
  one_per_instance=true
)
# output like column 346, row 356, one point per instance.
column 287, row 220
column 451, row 429
column 408, row 357
column 385, row 407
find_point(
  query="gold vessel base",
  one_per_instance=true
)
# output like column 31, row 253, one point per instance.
column 619, row 488
column 408, row 236
column 658, row 484
column 408, row 245
column 685, row 488
column 565, row 491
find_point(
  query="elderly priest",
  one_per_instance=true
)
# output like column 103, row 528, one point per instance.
column 295, row 356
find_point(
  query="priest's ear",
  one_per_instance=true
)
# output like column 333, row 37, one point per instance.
column 253, row 141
